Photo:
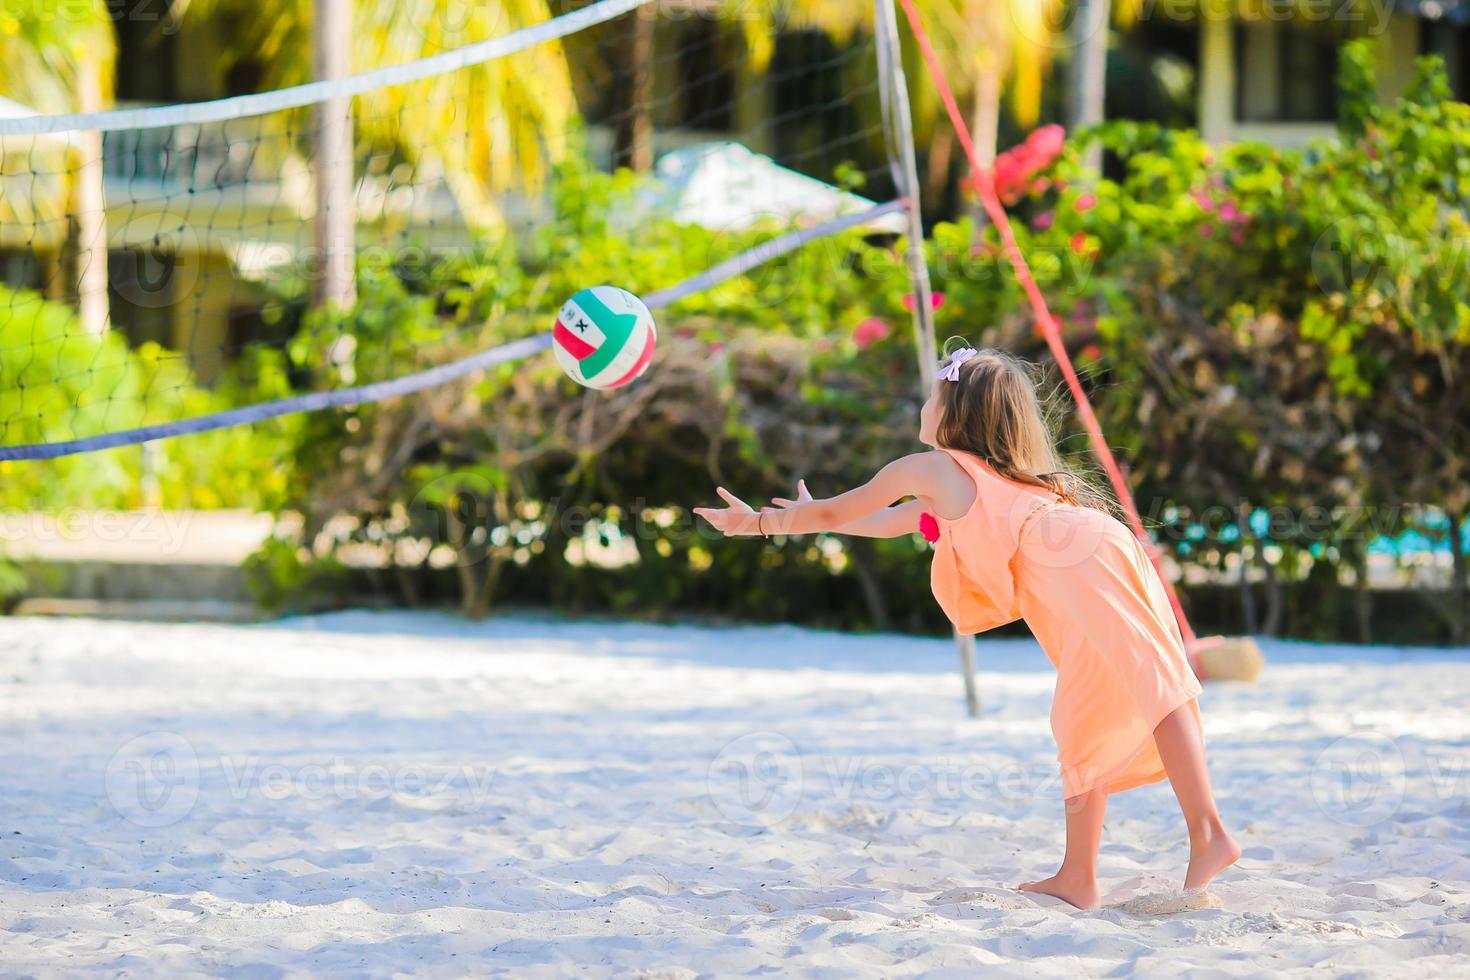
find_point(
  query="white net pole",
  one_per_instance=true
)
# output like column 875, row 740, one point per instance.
column 894, row 88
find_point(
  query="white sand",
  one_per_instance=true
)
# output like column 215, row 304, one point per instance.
column 370, row 794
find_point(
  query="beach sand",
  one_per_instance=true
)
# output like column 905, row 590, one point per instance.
column 376, row 793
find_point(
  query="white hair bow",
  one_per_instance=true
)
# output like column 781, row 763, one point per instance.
column 951, row 371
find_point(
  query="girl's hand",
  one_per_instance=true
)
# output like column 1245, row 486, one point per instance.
column 734, row 520
column 803, row 495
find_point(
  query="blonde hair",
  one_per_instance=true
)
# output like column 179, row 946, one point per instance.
column 995, row 413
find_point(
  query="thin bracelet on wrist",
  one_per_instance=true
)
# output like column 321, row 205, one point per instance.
column 760, row 523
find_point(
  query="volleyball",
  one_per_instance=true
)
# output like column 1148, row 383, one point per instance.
column 604, row 337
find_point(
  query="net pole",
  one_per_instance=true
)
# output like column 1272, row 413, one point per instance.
column 895, row 92
column 335, row 226
column 894, row 88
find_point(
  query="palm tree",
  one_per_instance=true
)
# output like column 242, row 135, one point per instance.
column 990, row 42
column 487, row 129
column 1089, row 32
column 57, row 57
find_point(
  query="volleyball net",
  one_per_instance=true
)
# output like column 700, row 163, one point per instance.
column 166, row 270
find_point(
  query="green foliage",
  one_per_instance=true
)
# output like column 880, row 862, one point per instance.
column 1273, row 329
column 520, row 483
column 57, row 382
column 1265, row 331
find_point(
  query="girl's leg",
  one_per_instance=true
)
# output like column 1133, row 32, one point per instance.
column 1076, row 882
column 1182, row 747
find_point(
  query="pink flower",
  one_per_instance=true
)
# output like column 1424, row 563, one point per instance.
column 716, row 346
column 1237, row 235
column 1046, row 143
column 936, row 300
column 869, row 332
column 1229, row 212
column 1086, row 202
column 928, row 527
column 1204, row 200
column 1015, row 167
column 1043, row 221
column 1206, row 230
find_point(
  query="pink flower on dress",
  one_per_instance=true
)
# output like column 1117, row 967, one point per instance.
column 928, row 527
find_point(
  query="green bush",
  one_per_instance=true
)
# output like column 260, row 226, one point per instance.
column 1277, row 338
column 58, row 382
column 1276, row 341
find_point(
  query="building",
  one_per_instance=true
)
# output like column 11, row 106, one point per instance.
column 1273, row 78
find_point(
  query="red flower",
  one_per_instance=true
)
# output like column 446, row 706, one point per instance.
column 1015, row 167
column 1079, row 242
column 1092, row 352
column 869, row 332
column 928, row 527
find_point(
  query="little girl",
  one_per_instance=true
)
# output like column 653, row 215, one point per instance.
column 1013, row 540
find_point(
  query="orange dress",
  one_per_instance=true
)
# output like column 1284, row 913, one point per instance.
column 1093, row 600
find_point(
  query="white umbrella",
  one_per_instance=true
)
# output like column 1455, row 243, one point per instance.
column 727, row 186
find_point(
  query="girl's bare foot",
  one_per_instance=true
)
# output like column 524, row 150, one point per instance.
column 1072, row 888
column 1212, row 854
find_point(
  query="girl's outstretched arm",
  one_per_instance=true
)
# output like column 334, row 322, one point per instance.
column 919, row 475
column 890, row 522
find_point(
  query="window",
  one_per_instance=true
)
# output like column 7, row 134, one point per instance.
column 1452, row 43
column 146, row 49
column 1284, row 73
column 707, row 81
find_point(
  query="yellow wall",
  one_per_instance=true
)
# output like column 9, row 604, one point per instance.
column 1398, row 46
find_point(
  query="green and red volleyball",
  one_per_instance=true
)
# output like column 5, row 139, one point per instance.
column 604, row 337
